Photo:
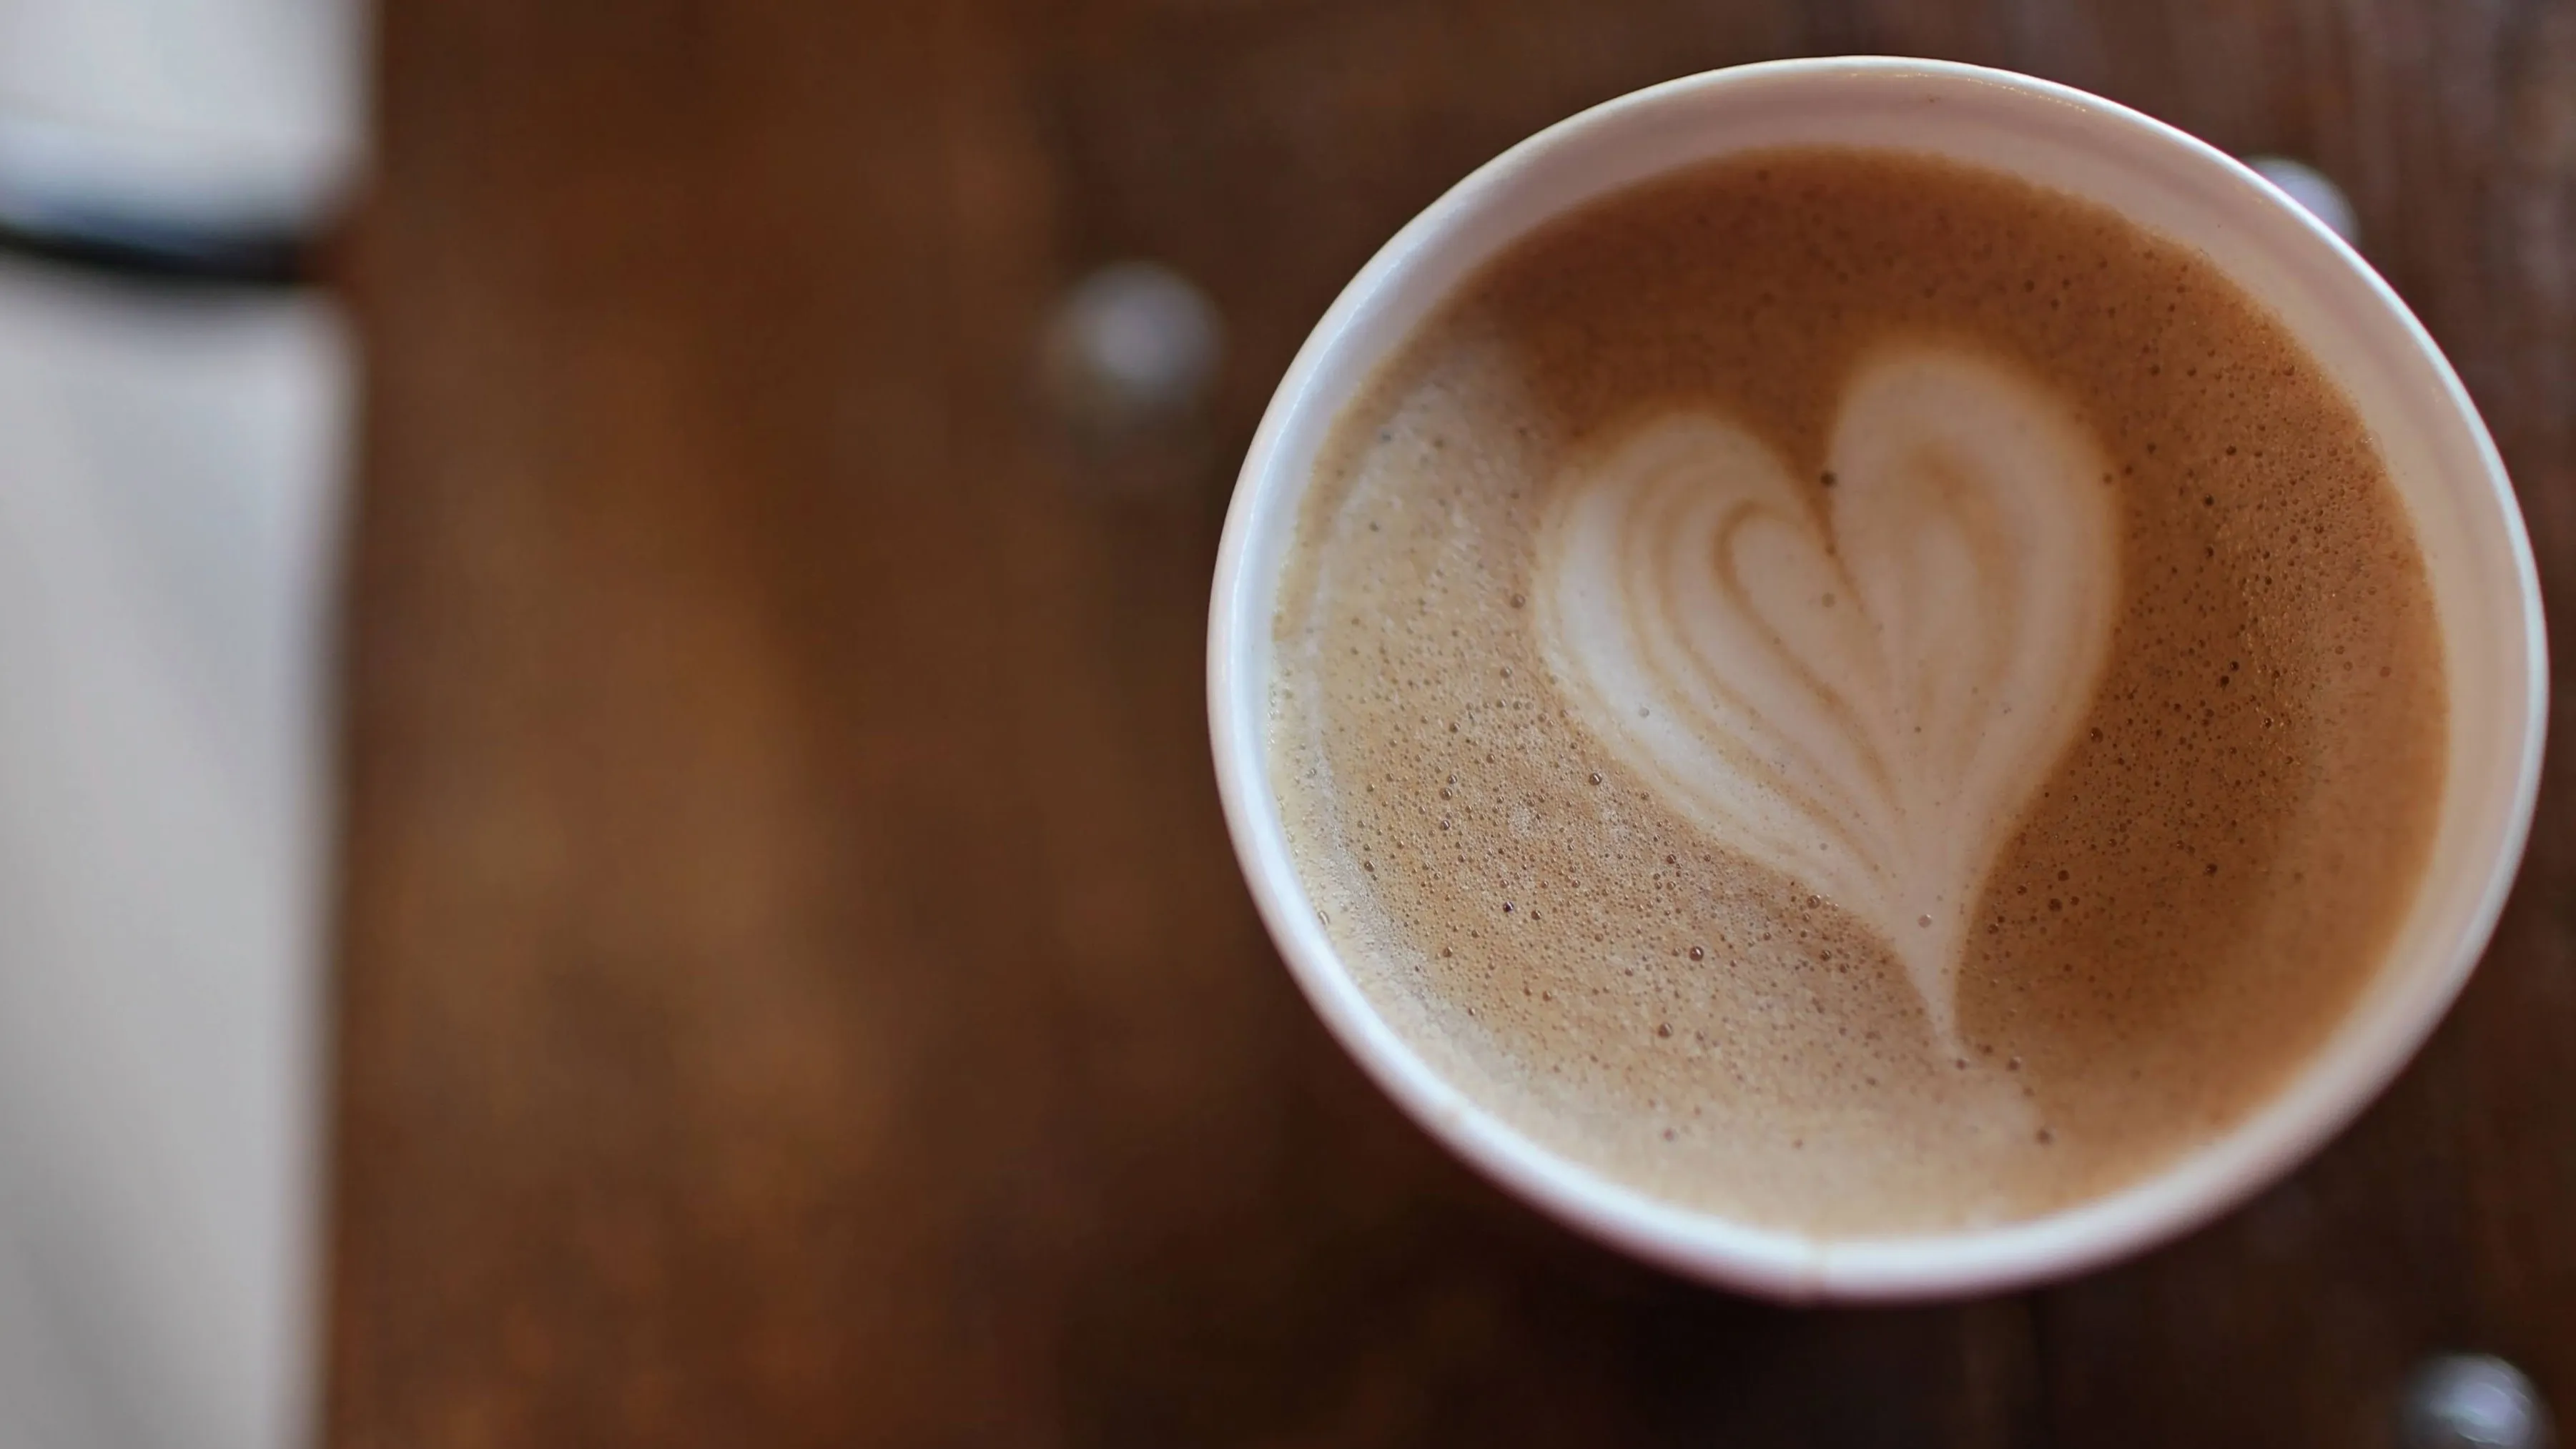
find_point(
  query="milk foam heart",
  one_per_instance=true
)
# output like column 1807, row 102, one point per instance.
column 1859, row 681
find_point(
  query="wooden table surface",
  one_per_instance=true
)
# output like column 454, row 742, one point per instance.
column 795, row 989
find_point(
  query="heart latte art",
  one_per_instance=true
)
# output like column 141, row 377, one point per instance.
column 1862, row 694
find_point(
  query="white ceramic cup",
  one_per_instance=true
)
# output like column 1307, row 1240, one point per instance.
column 2484, row 587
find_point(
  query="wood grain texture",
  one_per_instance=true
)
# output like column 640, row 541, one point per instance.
column 796, row 986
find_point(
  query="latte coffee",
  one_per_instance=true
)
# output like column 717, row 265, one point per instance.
column 1858, row 694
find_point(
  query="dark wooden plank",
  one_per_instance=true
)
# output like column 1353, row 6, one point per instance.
column 797, row 990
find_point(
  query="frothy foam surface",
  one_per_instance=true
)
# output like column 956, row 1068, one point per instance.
column 1858, row 694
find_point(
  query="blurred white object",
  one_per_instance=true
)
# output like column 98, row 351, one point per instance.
column 1134, row 345
column 2471, row 1401
column 228, row 116
column 2312, row 189
column 170, row 466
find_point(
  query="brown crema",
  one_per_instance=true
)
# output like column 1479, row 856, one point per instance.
column 2195, row 886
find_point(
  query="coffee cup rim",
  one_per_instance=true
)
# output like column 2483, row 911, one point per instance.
column 2325, row 1093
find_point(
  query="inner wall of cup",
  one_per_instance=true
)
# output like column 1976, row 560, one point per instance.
column 2436, row 452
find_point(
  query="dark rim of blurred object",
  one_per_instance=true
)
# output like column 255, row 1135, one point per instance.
column 163, row 255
